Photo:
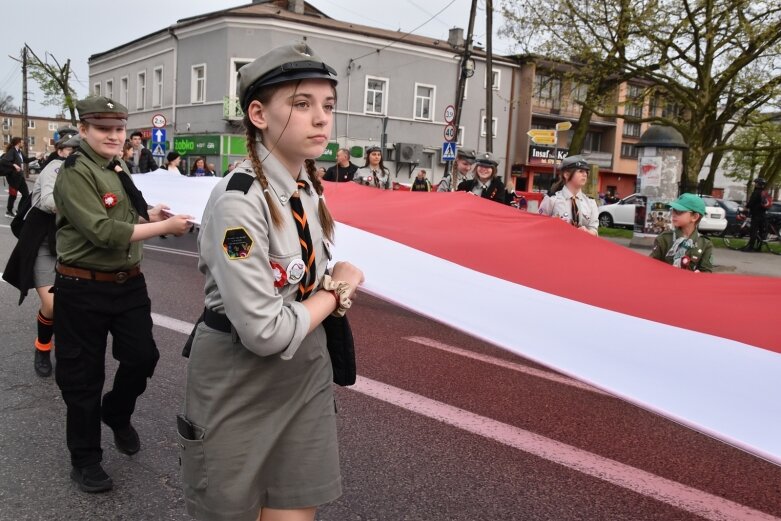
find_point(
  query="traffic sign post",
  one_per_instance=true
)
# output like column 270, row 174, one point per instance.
column 448, row 151
column 158, row 145
column 450, row 132
column 543, row 136
column 158, row 121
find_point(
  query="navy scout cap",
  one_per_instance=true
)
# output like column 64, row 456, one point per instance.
column 288, row 63
column 486, row 159
column 574, row 163
column 466, row 153
column 103, row 111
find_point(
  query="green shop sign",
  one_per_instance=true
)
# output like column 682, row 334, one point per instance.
column 330, row 153
column 197, row 145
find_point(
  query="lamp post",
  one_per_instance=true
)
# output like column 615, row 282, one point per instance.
column 659, row 170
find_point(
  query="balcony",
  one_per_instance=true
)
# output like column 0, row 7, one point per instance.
column 231, row 109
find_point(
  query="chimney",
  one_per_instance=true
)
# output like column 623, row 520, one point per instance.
column 295, row 6
column 456, row 37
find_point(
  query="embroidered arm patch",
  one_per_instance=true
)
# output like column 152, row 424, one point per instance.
column 237, row 243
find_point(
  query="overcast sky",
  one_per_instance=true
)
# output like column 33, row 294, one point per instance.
column 57, row 30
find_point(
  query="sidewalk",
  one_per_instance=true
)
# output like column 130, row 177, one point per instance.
column 728, row 261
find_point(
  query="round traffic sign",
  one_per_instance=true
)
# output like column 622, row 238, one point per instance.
column 450, row 132
column 158, row 121
column 450, row 113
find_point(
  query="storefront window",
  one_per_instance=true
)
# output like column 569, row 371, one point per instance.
column 542, row 182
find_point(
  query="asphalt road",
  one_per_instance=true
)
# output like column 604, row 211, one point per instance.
column 440, row 426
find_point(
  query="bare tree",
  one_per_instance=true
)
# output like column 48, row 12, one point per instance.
column 54, row 81
column 7, row 104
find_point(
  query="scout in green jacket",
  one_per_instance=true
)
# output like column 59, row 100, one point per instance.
column 683, row 247
column 99, row 289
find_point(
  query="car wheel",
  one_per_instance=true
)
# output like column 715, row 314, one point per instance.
column 605, row 220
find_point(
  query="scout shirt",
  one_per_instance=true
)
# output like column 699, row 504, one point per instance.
column 560, row 205
column 43, row 191
column 248, row 262
column 95, row 218
column 377, row 179
column 699, row 255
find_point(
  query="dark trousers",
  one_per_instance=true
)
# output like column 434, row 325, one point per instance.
column 756, row 232
column 87, row 311
column 16, row 180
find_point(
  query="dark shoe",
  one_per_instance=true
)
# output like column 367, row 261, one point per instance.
column 92, row 478
column 10, row 213
column 747, row 249
column 126, row 440
column 43, row 363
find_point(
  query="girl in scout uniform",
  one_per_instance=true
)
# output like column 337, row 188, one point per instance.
column 374, row 173
column 569, row 203
column 258, row 432
column 683, row 247
column 485, row 183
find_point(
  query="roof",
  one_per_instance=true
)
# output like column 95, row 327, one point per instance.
column 277, row 9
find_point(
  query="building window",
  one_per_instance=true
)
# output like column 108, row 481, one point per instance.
column 110, row 89
column 578, row 93
column 157, row 87
column 424, row 101
column 7, row 123
column 236, row 64
column 31, row 141
column 30, row 123
column 198, row 83
column 634, row 110
column 376, row 95
column 52, row 127
column 672, row 110
column 96, row 89
column 493, row 127
column 123, row 91
column 141, row 90
column 628, row 150
column 460, row 138
column 634, row 92
column 592, row 142
column 547, row 90
column 496, row 78
column 632, row 129
column 427, row 161
column 7, row 139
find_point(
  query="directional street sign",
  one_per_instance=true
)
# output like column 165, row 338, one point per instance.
column 450, row 132
column 448, row 151
column 564, row 125
column 543, row 136
column 158, row 135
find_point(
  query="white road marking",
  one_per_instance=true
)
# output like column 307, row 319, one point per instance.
column 553, row 377
column 678, row 495
column 163, row 249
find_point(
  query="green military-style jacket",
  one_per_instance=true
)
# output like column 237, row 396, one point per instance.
column 95, row 217
column 699, row 255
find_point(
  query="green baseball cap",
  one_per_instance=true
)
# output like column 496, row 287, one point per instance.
column 102, row 111
column 689, row 203
column 288, row 63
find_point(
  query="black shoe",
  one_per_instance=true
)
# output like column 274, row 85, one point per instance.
column 10, row 213
column 92, row 478
column 126, row 440
column 747, row 249
column 43, row 363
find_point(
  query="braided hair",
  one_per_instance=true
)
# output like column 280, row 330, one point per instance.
column 253, row 135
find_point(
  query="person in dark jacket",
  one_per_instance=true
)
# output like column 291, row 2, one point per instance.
column 758, row 212
column 143, row 161
column 12, row 166
column 343, row 170
column 421, row 183
column 486, row 183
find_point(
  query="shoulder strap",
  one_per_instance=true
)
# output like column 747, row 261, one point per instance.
column 241, row 181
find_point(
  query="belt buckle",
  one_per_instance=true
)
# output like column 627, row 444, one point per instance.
column 120, row 277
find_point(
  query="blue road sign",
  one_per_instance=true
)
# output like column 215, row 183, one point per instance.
column 158, row 149
column 448, row 151
column 158, row 135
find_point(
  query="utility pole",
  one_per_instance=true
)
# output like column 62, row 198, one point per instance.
column 25, row 123
column 489, row 77
column 464, row 72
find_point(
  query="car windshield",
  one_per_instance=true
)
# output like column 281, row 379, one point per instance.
column 709, row 201
column 730, row 205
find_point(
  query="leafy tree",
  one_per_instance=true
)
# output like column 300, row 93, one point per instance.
column 54, row 81
column 756, row 153
column 7, row 104
column 713, row 62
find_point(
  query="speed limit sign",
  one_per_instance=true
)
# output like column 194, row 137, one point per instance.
column 450, row 114
column 450, row 132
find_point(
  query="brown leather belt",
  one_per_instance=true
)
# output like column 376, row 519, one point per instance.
column 102, row 276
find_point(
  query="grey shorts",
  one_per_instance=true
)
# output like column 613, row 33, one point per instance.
column 265, row 429
column 43, row 270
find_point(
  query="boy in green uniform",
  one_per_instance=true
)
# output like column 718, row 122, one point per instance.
column 99, row 289
column 683, row 247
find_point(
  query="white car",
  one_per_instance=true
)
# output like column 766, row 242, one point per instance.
column 622, row 213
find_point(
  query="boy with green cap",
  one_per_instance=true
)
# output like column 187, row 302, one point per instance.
column 683, row 247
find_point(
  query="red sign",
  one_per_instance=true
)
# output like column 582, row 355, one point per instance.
column 450, row 132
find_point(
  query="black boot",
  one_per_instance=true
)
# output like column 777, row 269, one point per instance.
column 92, row 478
column 43, row 363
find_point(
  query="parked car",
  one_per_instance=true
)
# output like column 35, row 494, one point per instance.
column 731, row 210
column 774, row 213
column 622, row 213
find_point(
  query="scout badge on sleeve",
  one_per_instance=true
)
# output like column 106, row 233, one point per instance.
column 237, row 243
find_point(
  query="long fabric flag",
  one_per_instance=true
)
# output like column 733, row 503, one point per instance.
column 698, row 348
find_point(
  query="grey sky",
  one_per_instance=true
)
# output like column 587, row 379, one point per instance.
column 51, row 26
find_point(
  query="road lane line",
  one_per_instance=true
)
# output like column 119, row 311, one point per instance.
column 661, row 489
column 676, row 494
column 163, row 249
column 553, row 377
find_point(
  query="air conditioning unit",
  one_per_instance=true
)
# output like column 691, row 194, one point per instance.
column 408, row 153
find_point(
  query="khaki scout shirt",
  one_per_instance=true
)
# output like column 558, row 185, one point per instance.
column 236, row 246
column 700, row 254
column 560, row 205
column 91, row 233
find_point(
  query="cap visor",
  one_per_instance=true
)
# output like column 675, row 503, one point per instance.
column 302, row 75
column 106, row 122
